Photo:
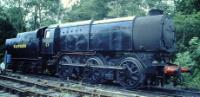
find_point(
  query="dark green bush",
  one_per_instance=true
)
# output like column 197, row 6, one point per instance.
column 188, row 58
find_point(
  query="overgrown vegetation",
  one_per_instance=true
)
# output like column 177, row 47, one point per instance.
column 190, row 57
column 187, row 23
column 187, row 26
column 6, row 30
column 24, row 15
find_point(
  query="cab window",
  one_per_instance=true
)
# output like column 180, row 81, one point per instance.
column 47, row 35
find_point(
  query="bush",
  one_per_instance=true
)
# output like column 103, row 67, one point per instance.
column 187, row 26
column 191, row 58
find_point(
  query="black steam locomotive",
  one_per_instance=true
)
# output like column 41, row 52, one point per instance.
column 131, row 51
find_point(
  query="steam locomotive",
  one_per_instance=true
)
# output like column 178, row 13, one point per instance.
column 132, row 51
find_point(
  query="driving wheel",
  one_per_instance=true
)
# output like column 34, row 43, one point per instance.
column 133, row 74
column 93, row 75
column 64, row 70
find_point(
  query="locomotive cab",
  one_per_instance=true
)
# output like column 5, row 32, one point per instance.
column 50, row 41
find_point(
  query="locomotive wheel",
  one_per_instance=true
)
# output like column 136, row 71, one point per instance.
column 63, row 70
column 133, row 74
column 65, row 60
column 95, row 61
column 93, row 75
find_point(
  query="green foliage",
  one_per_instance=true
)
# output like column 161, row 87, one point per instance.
column 187, row 22
column 6, row 30
column 187, row 26
column 42, row 13
column 88, row 9
column 100, row 9
column 15, row 14
column 26, row 15
column 119, row 8
column 191, row 58
column 187, row 6
column 184, row 59
column 16, row 19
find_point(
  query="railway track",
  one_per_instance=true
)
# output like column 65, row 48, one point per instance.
column 27, row 86
column 6, row 93
column 57, row 86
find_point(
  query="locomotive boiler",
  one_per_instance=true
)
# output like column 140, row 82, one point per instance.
column 132, row 51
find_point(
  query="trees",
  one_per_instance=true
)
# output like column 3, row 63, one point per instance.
column 6, row 29
column 26, row 15
column 187, row 21
column 32, row 14
column 188, row 58
column 187, row 6
column 119, row 8
column 15, row 14
column 187, row 26
column 42, row 13
column 99, row 9
column 88, row 9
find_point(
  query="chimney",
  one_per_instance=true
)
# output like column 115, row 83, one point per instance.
column 155, row 12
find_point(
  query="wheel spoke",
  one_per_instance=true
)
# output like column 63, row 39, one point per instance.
column 63, row 70
column 96, row 75
column 132, row 76
column 135, row 72
column 127, row 66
